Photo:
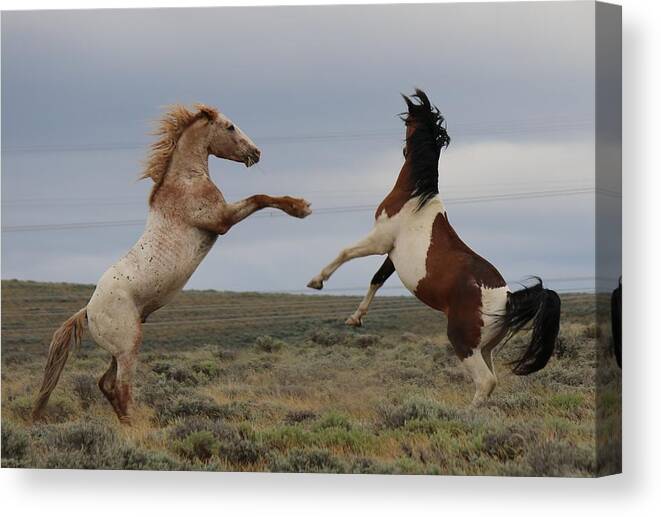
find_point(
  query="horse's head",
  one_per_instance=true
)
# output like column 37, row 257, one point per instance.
column 423, row 116
column 226, row 140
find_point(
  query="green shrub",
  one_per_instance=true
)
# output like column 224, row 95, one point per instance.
column 394, row 417
column 568, row 402
column 15, row 445
column 326, row 338
column 238, row 446
column 268, row 344
column 354, row 441
column 225, row 354
column 208, row 369
column 242, row 452
column 295, row 417
column 286, row 437
column 561, row 459
column 303, row 460
column 87, row 436
column 369, row 466
column 176, row 372
column 564, row 374
column 199, row 445
column 59, row 409
column 365, row 340
column 512, row 402
column 159, row 392
column 184, row 427
column 333, row 419
column 139, row 459
column 87, row 444
column 504, row 444
column 190, row 405
column 85, row 387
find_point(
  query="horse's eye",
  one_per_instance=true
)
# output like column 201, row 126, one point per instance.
column 231, row 128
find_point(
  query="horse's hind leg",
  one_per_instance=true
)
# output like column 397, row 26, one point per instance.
column 483, row 377
column 108, row 385
column 116, row 384
column 126, row 364
column 384, row 272
column 117, row 329
column 465, row 338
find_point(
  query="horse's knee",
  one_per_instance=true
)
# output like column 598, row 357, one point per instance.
column 107, row 380
column 104, row 386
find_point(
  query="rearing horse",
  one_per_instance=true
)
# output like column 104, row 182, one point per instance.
column 187, row 213
column 412, row 228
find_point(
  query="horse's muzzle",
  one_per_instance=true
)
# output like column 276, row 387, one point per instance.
column 252, row 158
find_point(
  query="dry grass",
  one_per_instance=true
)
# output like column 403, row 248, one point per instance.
column 300, row 394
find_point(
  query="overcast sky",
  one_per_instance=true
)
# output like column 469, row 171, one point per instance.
column 317, row 88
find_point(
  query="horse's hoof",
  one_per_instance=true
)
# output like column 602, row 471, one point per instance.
column 352, row 321
column 125, row 420
column 299, row 208
column 316, row 284
column 307, row 210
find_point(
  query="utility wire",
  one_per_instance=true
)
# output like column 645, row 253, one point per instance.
column 324, row 210
column 496, row 128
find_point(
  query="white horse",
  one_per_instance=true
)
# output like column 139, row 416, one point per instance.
column 187, row 212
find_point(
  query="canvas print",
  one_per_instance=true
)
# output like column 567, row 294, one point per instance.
column 344, row 239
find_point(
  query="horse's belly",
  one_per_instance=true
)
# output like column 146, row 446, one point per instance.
column 159, row 265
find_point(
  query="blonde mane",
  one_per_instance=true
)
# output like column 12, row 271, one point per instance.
column 170, row 128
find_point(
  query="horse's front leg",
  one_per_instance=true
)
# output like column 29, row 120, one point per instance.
column 378, row 242
column 234, row 213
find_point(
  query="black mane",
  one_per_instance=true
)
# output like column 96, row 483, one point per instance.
column 425, row 145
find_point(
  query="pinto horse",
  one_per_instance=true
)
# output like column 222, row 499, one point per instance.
column 187, row 213
column 413, row 229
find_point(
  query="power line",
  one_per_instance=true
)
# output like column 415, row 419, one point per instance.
column 447, row 189
column 325, row 210
column 494, row 128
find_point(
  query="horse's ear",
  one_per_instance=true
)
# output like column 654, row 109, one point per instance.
column 408, row 101
column 207, row 111
column 423, row 98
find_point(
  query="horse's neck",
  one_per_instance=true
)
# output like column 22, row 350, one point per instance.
column 401, row 192
column 188, row 175
column 404, row 181
column 189, row 160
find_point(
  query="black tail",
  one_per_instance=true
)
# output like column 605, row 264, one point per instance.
column 542, row 307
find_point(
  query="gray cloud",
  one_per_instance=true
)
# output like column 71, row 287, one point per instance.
column 515, row 82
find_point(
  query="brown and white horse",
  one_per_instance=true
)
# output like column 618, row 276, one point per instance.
column 187, row 212
column 413, row 229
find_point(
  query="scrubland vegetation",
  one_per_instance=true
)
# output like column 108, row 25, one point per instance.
column 256, row 382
